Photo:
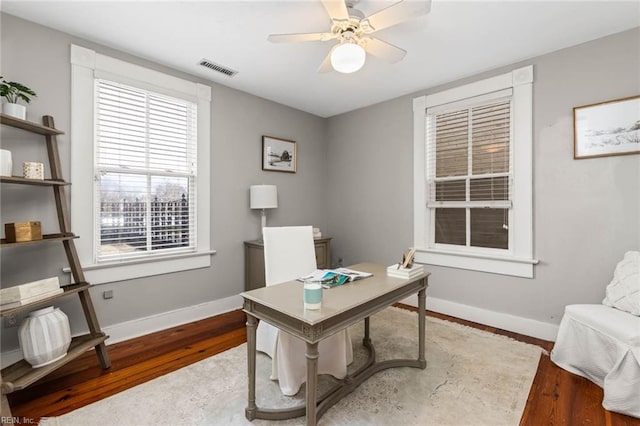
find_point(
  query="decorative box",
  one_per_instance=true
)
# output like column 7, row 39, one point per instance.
column 22, row 231
column 31, row 170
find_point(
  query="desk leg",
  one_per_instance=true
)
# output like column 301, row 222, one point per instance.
column 366, row 340
column 312, row 378
column 422, row 306
column 250, row 411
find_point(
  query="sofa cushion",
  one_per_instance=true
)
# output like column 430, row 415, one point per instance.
column 623, row 292
column 609, row 322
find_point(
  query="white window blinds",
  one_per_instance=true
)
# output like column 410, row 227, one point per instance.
column 469, row 172
column 145, row 180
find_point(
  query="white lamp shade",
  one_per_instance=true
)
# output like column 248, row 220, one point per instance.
column 348, row 58
column 264, row 196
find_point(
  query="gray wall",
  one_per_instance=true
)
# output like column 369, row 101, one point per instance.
column 39, row 57
column 586, row 212
column 585, row 215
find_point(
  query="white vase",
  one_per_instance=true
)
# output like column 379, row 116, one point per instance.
column 15, row 110
column 6, row 164
column 44, row 336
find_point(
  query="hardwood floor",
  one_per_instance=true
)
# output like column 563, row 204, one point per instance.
column 556, row 397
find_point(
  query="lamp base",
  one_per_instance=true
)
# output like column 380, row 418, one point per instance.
column 263, row 224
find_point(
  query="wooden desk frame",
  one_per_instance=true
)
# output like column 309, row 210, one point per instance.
column 312, row 334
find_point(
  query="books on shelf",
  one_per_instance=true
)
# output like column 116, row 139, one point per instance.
column 29, row 292
column 335, row 277
column 15, row 293
column 400, row 272
column 31, row 299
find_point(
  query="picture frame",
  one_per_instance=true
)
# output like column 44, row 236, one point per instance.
column 279, row 155
column 607, row 128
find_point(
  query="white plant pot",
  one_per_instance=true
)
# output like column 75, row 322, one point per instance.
column 15, row 110
column 44, row 336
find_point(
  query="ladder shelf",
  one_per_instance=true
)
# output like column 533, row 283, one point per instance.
column 21, row 375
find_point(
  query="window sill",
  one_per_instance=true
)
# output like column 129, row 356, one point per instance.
column 504, row 265
column 139, row 268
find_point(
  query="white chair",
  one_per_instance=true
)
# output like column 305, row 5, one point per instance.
column 602, row 342
column 289, row 253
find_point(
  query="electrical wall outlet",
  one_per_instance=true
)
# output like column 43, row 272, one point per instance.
column 107, row 294
column 10, row 321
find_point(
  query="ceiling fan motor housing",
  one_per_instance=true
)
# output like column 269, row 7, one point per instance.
column 353, row 29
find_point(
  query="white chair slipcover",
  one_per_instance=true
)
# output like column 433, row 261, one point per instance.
column 602, row 344
column 289, row 253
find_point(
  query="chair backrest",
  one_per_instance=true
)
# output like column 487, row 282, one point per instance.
column 289, row 253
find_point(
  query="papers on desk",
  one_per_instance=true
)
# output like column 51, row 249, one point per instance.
column 335, row 277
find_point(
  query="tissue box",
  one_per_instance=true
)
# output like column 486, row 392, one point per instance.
column 22, row 231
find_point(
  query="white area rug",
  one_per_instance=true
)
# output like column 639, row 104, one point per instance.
column 472, row 378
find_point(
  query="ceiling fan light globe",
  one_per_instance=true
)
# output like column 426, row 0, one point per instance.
column 348, row 58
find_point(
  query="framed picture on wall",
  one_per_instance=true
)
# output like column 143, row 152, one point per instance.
column 279, row 155
column 607, row 128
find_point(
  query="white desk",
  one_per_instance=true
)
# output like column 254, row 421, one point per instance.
column 281, row 305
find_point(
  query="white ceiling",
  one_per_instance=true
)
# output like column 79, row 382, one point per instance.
column 456, row 39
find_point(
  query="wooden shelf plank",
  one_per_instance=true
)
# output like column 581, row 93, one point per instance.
column 45, row 239
column 68, row 289
column 20, row 375
column 25, row 181
column 28, row 125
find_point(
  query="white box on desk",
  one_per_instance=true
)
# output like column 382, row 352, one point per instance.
column 414, row 271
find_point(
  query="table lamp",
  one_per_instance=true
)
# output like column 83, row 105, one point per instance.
column 263, row 197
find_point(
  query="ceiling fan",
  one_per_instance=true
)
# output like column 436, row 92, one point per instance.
column 352, row 30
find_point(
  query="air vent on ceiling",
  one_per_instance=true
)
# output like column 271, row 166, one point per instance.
column 219, row 68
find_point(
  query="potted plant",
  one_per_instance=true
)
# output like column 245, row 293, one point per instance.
column 13, row 92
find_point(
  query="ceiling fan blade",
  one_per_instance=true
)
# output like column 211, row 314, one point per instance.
column 326, row 66
column 383, row 50
column 286, row 38
column 395, row 14
column 336, row 9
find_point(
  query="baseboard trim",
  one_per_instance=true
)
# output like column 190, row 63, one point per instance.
column 10, row 357
column 142, row 326
column 516, row 324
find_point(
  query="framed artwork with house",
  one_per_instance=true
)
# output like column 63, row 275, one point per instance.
column 279, row 155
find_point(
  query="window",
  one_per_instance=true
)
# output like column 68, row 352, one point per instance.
column 473, row 176
column 145, row 176
column 469, row 174
column 148, row 183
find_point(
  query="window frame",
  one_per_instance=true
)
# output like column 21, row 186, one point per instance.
column 86, row 67
column 518, row 259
